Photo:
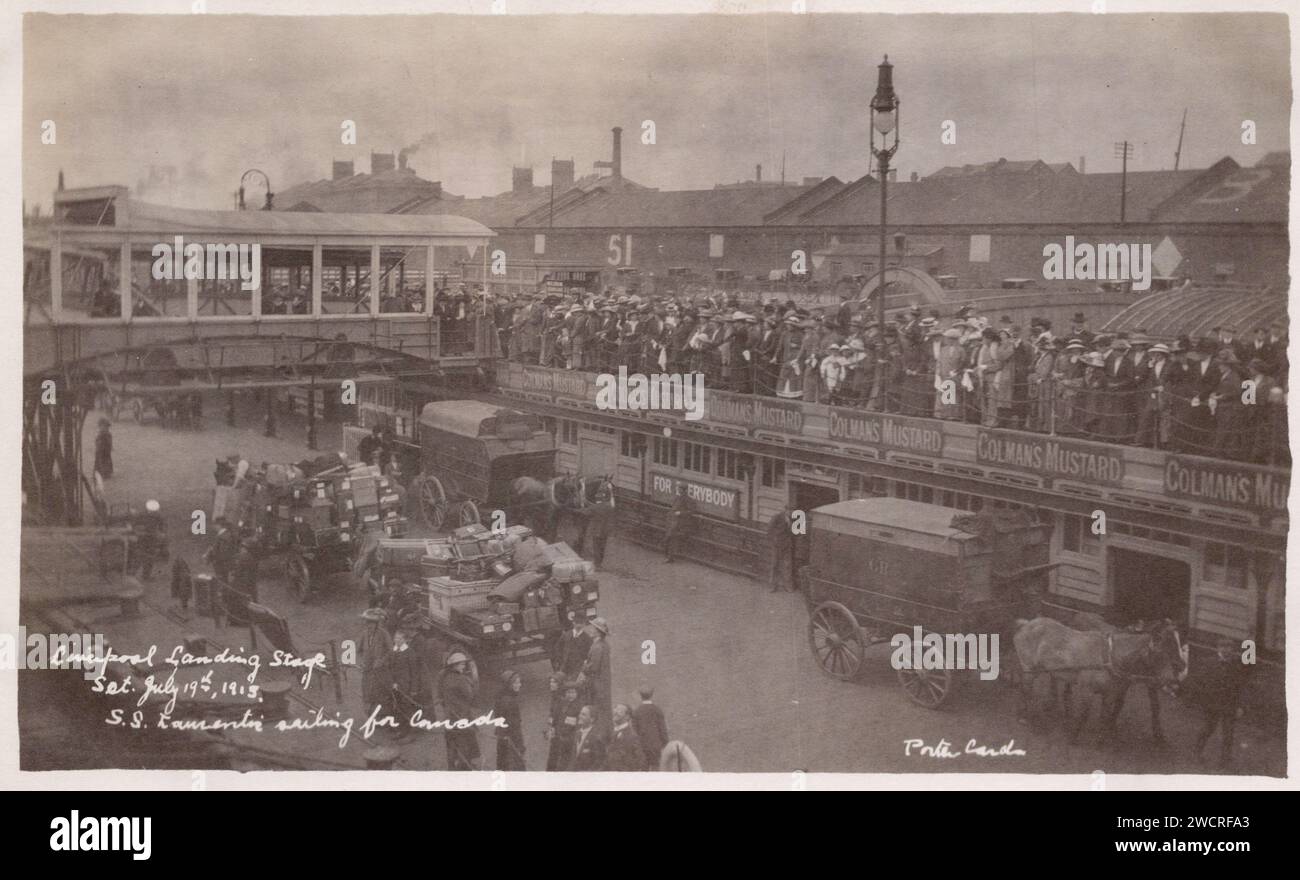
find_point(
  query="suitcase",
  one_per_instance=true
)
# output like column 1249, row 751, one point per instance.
column 568, row 571
column 558, row 552
column 548, row 617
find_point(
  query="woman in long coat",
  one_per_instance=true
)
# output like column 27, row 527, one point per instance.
column 790, row 381
column 596, row 675
column 510, row 739
column 948, row 367
column 376, row 660
column 104, row 450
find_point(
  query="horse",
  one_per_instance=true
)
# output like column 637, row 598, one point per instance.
column 1101, row 663
column 542, row 504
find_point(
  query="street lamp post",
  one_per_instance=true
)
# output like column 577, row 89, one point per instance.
column 884, row 121
column 269, row 195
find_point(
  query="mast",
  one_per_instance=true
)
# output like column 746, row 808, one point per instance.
column 1178, row 152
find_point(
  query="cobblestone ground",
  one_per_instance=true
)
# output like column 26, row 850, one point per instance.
column 732, row 667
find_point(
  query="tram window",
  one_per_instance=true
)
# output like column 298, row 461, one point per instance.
column 696, row 457
column 345, row 281
column 861, row 486
column 734, row 465
column 1225, row 565
column 401, row 280
column 286, row 281
column 773, row 473
column 1077, row 536
column 91, row 281
column 628, row 446
column 665, row 451
column 569, row 432
column 156, row 297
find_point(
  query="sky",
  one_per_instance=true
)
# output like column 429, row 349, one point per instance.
column 178, row 107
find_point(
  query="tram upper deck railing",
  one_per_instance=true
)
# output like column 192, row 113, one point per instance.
column 1231, row 492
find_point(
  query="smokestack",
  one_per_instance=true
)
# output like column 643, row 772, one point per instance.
column 915, row 177
column 618, row 153
column 60, row 180
column 562, row 174
column 758, row 173
column 380, row 162
column 521, row 179
column 1083, row 164
column 401, row 160
column 342, row 170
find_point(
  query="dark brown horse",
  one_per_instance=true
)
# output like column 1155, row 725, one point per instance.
column 1099, row 663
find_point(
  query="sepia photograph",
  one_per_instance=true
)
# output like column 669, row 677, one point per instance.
column 614, row 395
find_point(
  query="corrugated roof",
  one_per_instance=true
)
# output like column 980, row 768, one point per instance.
column 166, row 220
column 746, row 206
column 1194, row 311
column 986, row 199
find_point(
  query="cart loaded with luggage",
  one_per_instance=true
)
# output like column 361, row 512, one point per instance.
column 491, row 595
column 314, row 515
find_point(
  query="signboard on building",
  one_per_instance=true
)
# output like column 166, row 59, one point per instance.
column 714, row 500
column 1221, row 482
column 1050, row 457
column 560, row 382
column 754, row 412
column 861, row 428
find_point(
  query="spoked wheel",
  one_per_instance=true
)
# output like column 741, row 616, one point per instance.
column 469, row 513
column 433, row 502
column 299, row 575
column 837, row 642
column 927, row 687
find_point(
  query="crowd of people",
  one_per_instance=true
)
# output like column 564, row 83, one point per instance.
column 1219, row 395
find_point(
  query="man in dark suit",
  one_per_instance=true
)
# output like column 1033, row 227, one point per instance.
column 571, row 650
column 625, row 751
column 651, row 729
column 588, row 744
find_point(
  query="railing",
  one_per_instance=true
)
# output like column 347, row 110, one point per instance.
column 1082, row 464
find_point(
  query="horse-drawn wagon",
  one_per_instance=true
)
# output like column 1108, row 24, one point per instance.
column 471, row 453
column 314, row 515
column 884, row 566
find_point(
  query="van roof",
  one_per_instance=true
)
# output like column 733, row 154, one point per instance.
column 893, row 513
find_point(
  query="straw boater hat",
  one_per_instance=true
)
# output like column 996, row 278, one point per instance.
column 1094, row 359
column 951, row 333
column 374, row 615
column 1158, row 348
column 600, row 623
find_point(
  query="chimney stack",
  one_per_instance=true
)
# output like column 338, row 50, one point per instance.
column 342, row 170
column 618, row 153
column 380, row 162
column 1083, row 164
column 915, row 177
column 562, row 174
column 521, row 179
column 758, row 173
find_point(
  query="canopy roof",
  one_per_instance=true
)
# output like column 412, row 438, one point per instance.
column 110, row 208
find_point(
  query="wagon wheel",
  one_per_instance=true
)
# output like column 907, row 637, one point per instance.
column 469, row 513
column 836, row 640
column 927, row 687
column 299, row 575
column 433, row 502
column 137, row 410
